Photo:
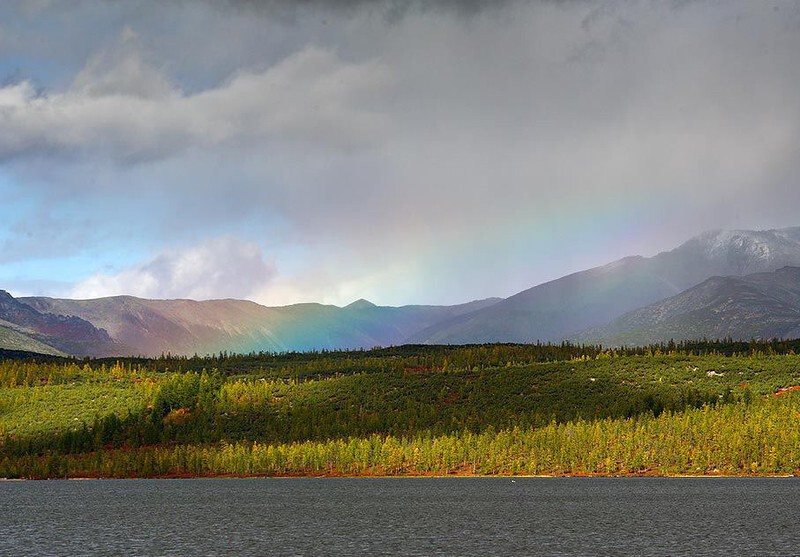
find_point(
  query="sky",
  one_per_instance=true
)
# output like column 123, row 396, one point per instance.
column 405, row 152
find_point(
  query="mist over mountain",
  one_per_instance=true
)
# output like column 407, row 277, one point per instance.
column 557, row 309
column 760, row 306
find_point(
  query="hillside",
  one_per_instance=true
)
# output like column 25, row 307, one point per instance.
column 14, row 340
column 23, row 327
column 757, row 306
column 558, row 309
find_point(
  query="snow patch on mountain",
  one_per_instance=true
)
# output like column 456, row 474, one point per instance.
column 746, row 251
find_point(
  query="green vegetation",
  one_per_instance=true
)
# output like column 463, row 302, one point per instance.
column 49, row 409
column 735, row 439
column 534, row 409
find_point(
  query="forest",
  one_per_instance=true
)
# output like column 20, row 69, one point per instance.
column 700, row 408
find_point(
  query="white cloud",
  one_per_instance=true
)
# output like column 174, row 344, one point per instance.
column 223, row 267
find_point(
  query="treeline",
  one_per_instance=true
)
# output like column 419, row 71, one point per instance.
column 32, row 372
column 6, row 354
column 315, row 364
column 18, row 368
column 759, row 437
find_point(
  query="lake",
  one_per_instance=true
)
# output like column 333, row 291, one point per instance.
column 403, row 516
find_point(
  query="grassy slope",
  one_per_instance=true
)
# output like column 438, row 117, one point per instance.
column 759, row 438
column 405, row 403
column 425, row 406
column 26, row 411
column 516, row 396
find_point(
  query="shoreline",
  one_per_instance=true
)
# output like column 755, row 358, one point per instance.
column 403, row 476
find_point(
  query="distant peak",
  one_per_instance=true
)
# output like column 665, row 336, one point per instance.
column 775, row 245
column 361, row 303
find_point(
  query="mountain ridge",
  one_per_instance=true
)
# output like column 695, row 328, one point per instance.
column 556, row 310
column 759, row 306
column 185, row 327
column 577, row 305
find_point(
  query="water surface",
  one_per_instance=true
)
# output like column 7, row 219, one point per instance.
column 426, row 516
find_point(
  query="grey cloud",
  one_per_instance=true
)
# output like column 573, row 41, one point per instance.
column 126, row 110
column 391, row 10
column 122, row 71
column 515, row 137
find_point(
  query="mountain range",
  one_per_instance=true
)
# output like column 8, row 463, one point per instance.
column 558, row 309
column 742, row 284
column 186, row 327
column 757, row 306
